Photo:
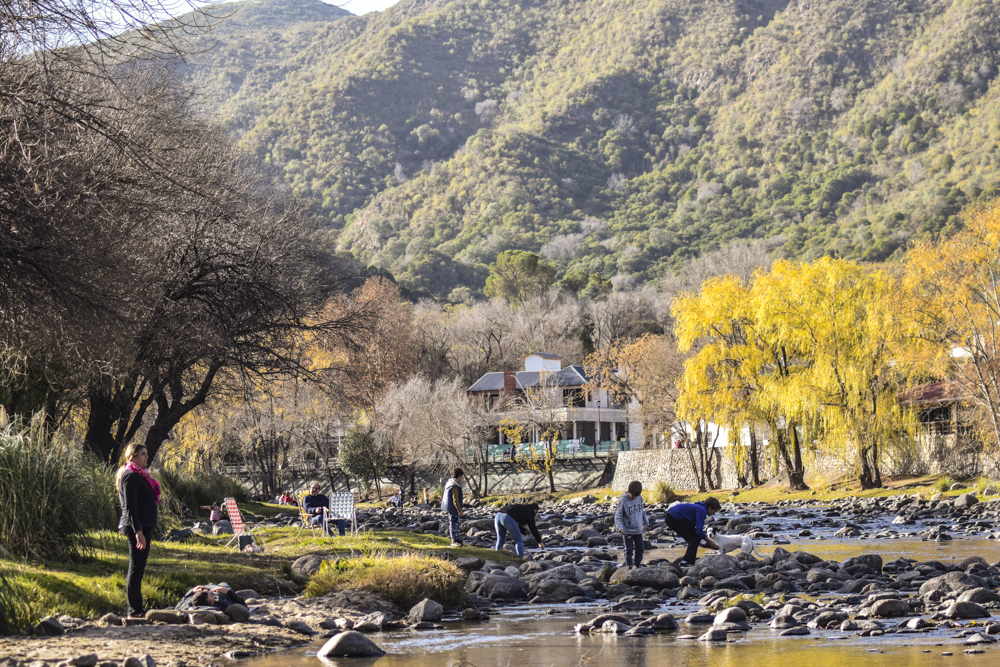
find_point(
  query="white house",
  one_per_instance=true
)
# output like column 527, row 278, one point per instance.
column 585, row 415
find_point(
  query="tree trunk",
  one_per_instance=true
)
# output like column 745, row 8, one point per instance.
column 796, row 477
column 754, row 458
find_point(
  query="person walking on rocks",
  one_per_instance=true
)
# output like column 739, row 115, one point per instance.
column 688, row 521
column 452, row 504
column 631, row 521
column 510, row 518
column 138, row 494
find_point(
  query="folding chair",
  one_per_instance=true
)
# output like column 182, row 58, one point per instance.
column 342, row 507
column 304, row 517
column 240, row 528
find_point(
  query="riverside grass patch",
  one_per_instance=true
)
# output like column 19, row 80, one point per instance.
column 404, row 580
column 51, row 493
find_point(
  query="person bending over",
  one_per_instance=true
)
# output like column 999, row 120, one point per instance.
column 510, row 518
column 688, row 521
column 630, row 521
column 316, row 506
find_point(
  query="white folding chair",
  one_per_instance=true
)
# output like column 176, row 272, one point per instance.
column 342, row 507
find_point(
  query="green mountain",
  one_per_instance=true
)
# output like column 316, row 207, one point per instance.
column 616, row 136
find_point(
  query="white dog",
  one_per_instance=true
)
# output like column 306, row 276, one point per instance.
column 729, row 543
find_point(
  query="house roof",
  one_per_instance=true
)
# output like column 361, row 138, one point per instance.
column 571, row 376
column 543, row 355
column 933, row 393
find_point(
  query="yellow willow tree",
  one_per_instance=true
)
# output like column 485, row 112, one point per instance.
column 954, row 290
column 740, row 362
column 848, row 324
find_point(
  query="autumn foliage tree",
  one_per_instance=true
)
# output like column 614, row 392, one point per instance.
column 807, row 349
column 954, row 286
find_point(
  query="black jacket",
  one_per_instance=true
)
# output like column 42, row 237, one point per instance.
column 524, row 516
column 139, row 511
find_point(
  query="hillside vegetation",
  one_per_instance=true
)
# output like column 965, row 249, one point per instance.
column 616, row 137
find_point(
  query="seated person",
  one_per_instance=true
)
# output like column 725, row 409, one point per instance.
column 316, row 505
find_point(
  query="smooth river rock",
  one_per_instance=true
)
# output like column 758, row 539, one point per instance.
column 350, row 644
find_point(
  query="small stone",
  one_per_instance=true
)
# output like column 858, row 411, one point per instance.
column 49, row 627
column 714, row 636
column 202, row 618
column 299, row 627
column 792, row 632
column 238, row 613
column 167, row 616
column 109, row 620
column 89, row 660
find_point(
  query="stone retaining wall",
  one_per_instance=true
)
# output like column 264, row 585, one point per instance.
column 673, row 466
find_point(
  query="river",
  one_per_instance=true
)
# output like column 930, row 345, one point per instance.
column 524, row 636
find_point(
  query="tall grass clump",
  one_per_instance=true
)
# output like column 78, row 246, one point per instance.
column 15, row 614
column 50, row 492
column 198, row 487
column 943, row 483
column 663, row 493
column 404, row 580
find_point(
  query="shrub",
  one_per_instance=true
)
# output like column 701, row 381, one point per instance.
column 404, row 580
column 944, row 483
column 196, row 488
column 15, row 615
column 663, row 493
column 51, row 493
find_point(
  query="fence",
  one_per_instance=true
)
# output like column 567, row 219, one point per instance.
column 564, row 449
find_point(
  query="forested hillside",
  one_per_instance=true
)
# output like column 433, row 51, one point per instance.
column 616, row 137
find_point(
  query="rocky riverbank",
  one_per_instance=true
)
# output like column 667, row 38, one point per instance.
column 726, row 594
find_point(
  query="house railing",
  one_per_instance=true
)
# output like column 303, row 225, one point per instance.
column 563, row 449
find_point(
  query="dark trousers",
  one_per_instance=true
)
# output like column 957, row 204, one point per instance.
column 685, row 529
column 454, row 527
column 136, row 568
column 633, row 543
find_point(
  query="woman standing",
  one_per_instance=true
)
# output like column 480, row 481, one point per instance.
column 139, row 495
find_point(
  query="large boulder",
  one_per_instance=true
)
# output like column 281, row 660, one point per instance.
column 425, row 610
column 874, row 561
column 222, row 527
column 350, row 644
column 966, row 500
column 717, row 566
column 468, row 565
column 556, row 590
column 965, row 610
column 502, row 587
column 890, row 608
column 308, row 565
column 979, row 596
column 953, row 582
column 653, row 577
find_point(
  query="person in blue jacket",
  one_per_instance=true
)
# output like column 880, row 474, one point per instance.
column 688, row 521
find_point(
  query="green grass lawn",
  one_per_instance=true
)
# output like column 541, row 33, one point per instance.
column 96, row 584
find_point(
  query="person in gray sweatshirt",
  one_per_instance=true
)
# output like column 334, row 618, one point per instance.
column 631, row 521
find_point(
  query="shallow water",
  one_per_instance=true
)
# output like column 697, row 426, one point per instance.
column 527, row 637
column 521, row 638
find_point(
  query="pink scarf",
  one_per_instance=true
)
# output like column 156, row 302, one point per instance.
column 153, row 484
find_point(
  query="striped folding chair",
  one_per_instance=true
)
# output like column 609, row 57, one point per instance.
column 342, row 507
column 241, row 529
